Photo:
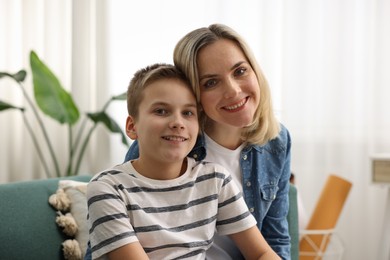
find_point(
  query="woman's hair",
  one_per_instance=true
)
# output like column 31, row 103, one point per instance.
column 264, row 126
column 146, row 76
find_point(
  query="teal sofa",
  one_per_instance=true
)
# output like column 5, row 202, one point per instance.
column 292, row 219
column 28, row 229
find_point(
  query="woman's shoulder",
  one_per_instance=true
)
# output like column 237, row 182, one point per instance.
column 198, row 152
column 284, row 136
column 281, row 143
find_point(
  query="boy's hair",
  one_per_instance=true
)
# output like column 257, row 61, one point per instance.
column 264, row 126
column 146, row 76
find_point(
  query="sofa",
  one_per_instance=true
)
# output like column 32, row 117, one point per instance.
column 28, row 229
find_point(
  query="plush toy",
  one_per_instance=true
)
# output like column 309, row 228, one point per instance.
column 71, row 205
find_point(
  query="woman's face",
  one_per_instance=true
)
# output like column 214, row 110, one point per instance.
column 229, row 90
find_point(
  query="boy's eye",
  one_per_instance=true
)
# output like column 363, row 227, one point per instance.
column 189, row 113
column 160, row 111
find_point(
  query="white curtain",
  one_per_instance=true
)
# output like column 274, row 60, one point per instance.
column 69, row 36
column 335, row 101
column 326, row 62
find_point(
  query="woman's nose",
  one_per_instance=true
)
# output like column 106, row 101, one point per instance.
column 232, row 88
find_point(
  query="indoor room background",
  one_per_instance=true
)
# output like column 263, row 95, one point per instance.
column 327, row 63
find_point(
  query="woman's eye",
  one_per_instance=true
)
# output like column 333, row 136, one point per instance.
column 210, row 83
column 240, row 71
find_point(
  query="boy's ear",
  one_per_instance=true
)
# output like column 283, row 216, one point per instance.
column 130, row 128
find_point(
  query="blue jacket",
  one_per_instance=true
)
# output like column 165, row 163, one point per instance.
column 265, row 178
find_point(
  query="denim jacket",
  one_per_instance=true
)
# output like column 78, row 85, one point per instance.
column 265, row 177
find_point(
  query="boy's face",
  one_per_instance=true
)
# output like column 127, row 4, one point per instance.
column 167, row 124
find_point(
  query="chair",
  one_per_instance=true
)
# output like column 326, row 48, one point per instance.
column 315, row 239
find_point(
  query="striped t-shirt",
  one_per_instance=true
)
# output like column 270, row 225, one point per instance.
column 172, row 219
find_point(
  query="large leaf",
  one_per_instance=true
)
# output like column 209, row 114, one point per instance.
column 122, row 96
column 5, row 74
column 50, row 96
column 4, row 106
column 19, row 76
column 109, row 123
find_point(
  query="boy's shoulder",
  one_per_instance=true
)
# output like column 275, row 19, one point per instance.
column 207, row 167
column 112, row 173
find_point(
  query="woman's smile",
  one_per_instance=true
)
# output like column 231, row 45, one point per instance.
column 236, row 107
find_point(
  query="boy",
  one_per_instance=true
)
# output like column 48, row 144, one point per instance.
column 164, row 205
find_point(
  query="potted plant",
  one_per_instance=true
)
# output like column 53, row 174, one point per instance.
column 54, row 101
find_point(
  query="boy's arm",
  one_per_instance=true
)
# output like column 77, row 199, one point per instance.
column 253, row 245
column 129, row 252
column 104, row 201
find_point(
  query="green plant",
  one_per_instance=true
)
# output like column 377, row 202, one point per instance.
column 54, row 101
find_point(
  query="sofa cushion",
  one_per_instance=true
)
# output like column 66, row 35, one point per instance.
column 75, row 191
column 28, row 229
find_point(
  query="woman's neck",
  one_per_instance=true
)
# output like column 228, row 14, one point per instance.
column 228, row 137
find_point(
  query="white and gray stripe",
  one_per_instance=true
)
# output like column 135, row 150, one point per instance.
column 171, row 219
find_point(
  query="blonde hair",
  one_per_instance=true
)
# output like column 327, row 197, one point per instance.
column 264, row 127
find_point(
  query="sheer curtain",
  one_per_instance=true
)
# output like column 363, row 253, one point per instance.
column 335, row 99
column 326, row 62
column 69, row 36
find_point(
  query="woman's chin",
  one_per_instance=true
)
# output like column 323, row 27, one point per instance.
column 238, row 123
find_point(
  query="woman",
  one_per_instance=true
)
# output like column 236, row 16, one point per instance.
column 240, row 129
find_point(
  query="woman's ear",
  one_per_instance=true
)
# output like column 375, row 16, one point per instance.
column 130, row 128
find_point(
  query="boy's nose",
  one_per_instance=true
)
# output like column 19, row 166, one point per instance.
column 176, row 122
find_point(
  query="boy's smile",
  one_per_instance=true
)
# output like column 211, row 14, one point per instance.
column 166, row 126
